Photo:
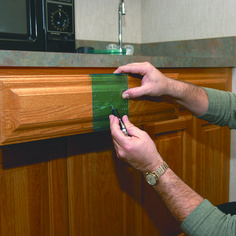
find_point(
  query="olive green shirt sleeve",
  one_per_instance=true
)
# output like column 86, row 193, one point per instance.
column 207, row 220
column 222, row 108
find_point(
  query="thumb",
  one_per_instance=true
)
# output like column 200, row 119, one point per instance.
column 133, row 93
column 132, row 130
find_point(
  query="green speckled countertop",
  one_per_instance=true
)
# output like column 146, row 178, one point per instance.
column 219, row 52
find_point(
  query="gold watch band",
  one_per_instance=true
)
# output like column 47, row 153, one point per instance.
column 161, row 170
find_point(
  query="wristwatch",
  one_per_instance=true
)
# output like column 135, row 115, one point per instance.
column 152, row 177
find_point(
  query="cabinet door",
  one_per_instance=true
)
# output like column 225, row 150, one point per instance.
column 198, row 152
column 212, row 150
column 33, row 192
column 174, row 143
column 104, row 194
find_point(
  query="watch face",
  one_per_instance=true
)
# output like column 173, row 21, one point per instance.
column 151, row 179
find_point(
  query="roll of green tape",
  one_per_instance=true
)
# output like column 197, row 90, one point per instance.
column 107, row 90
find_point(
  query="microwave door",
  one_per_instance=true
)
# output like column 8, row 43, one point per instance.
column 21, row 25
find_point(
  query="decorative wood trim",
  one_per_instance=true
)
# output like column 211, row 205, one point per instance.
column 34, row 107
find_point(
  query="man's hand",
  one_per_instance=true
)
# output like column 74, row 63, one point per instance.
column 137, row 149
column 154, row 83
column 140, row 152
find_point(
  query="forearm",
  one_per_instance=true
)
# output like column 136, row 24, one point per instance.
column 192, row 97
column 179, row 198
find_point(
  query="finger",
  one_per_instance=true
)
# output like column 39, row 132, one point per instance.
column 132, row 130
column 134, row 92
column 118, row 137
column 116, row 132
column 114, row 123
column 117, row 148
column 135, row 68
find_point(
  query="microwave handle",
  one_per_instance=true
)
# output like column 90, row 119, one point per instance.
column 32, row 20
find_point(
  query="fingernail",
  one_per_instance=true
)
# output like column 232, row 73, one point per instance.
column 125, row 95
column 125, row 118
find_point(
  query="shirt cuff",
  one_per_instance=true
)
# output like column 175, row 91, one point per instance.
column 206, row 220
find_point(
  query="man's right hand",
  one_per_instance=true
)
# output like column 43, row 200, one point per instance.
column 137, row 149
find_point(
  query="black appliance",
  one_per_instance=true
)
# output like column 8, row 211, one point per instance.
column 37, row 25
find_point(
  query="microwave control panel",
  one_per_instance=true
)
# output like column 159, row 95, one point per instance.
column 60, row 17
column 59, row 25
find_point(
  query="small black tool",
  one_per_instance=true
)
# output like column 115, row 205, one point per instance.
column 121, row 123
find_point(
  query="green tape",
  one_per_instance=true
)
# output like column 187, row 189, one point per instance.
column 107, row 90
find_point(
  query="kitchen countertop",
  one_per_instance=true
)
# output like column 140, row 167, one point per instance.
column 50, row 59
column 213, row 52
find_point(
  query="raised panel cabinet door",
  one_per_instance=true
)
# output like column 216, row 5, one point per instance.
column 104, row 194
column 212, row 150
column 173, row 141
column 33, row 188
column 21, row 201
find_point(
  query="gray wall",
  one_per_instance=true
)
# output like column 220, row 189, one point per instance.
column 98, row 20
column 155, row 20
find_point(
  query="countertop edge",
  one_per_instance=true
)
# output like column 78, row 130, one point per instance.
column 52, row 59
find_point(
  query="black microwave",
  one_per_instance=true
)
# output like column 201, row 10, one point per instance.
column 37, row 25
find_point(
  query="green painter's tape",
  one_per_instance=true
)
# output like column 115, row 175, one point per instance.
column 107, row 90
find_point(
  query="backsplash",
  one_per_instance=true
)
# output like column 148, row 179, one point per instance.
column 214, row 47
column 103, row 44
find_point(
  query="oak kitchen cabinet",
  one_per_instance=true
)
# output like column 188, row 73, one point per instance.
column 58, row 177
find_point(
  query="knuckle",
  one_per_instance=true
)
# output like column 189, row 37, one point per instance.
column 148, row 64
column 128, row 148
column 120, row 154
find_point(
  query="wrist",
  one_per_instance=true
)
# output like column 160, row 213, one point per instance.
column 152, row 177
column 155, row 164
column 172, row 87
